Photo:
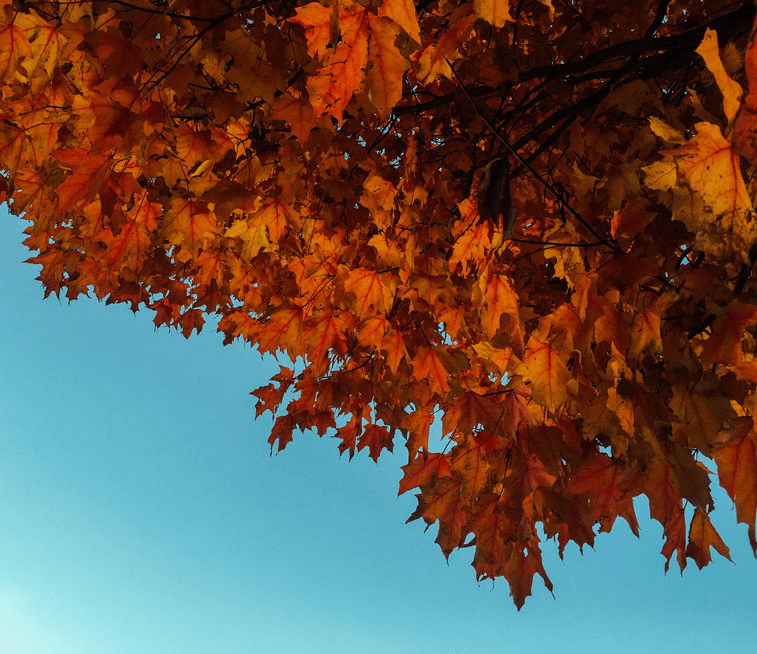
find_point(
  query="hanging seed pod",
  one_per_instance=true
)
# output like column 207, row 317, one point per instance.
column 494, row 200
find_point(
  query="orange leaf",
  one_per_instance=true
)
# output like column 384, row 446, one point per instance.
column 376, row 438
column 372, row 290
column 666, row 507
column 386, row 66
column 298, row 113
column 470, row 410
column 422, row 470
column 88, row 171
column 433, row 59
column 709, row 167
column 394, row 346
column 703, row 536
column 428, row 365
column 628, row 222
column 470, row 461
column 332, row 86
column 283, row 331
column 724, row 344
column 603, row 481
column 442, row 502
column 737, row 469
column 325, row 334
column 520, row 568
column 744, row 134
column 211, row 266
column 549, row 375
column 316, row 20
column 278, row 217
column 188, row 224
column 645, row 333
column 501, row 299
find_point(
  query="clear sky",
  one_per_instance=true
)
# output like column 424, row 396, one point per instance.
column 141, row 513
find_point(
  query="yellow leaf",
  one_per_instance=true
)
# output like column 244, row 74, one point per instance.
column 500, row 357
column 494, row 12
column 665, row 131
column 731, row 90
column 661, row 175
column 253, row 235
column 709, row 167
column 403, row 13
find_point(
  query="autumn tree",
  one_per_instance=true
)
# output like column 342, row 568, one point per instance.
column 530, row 220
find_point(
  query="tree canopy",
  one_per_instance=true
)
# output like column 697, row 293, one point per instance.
column 531, row 220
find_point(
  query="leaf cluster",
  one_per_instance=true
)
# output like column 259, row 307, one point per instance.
column 312, row 173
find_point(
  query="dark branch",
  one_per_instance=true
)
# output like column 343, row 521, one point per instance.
column 728, row 26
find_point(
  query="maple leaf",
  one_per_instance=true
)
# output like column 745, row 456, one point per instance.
column 607, row 487
column 725, row 228
column 737, row 469
column 494, row 12
column 708, row 50
column 375, row 438
column 724, row 343
column 386, row 65
column 283, row 331
column 324, row 336
column 441, row 502
column 88, row 171
column 422, row 470
column 372, row 291
column 744, row 135
column 190, row 223
column 403, row 13
column 433, row 59
column 298, row 114
column 342, row 72
column 549, row 374
column 703, row 536
column 500, row 299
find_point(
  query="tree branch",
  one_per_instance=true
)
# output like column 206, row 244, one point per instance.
column 601, row 240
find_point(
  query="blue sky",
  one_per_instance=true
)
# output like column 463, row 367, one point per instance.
column 141, row 513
